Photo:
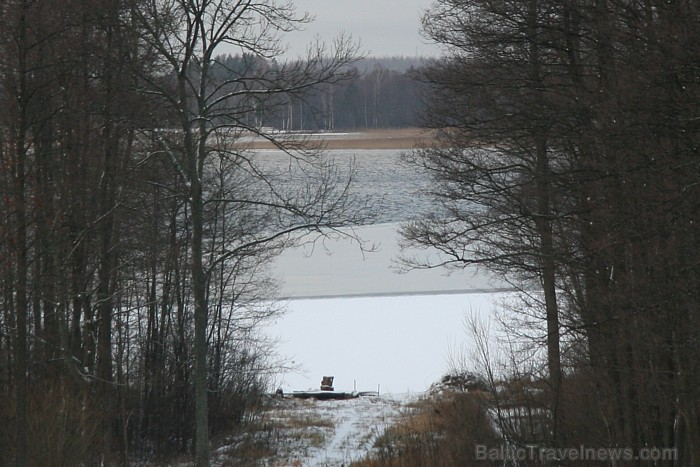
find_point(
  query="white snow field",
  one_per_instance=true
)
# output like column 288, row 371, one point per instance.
column 399, row 343
column 350, row 315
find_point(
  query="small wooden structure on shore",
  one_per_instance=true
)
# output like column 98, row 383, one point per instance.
column 327, row 383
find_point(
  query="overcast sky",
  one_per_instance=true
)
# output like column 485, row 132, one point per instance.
column 384, row 27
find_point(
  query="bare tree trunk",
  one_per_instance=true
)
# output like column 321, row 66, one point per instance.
column 21, row 302
column 543, row 221
column 22, row 308
column 199, row 290
column 548, row 278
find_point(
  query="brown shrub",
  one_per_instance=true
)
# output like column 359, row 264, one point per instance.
column 65, row 427
column 440, row 430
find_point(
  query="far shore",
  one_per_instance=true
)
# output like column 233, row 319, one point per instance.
column 397, row 138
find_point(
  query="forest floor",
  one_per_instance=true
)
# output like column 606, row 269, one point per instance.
column 392, row 138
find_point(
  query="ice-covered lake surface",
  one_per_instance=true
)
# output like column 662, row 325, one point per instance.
column 338, row 267
column 352, row 315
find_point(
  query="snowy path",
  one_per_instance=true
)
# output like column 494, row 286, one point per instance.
column 332, row 432
column 358, row 423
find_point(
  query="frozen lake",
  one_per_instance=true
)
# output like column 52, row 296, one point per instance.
column 352, row 316
column 339, row 268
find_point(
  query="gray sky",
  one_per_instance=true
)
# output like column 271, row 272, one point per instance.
column 384, row 27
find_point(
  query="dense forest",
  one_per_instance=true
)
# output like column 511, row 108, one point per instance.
column 137, row 228
column 570, row 168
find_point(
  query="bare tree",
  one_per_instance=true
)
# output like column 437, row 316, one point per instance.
column 496, row 171
column 210, row 113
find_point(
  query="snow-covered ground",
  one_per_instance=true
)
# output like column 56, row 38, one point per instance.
column 360, row 321
column 316, row 433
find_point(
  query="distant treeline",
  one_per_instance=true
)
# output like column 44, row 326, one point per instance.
column 382, row 93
